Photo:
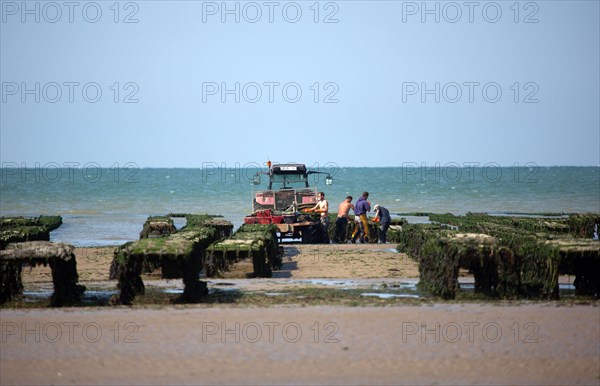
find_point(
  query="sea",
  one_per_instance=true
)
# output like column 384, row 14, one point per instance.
column 108, row 206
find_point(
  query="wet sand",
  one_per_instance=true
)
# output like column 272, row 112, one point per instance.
column 300, row 261
column 446, row 343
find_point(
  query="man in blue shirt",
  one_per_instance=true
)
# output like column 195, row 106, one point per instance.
column 360, row 210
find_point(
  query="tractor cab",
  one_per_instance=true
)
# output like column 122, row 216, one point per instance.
column 287, row 176
column 288, row 194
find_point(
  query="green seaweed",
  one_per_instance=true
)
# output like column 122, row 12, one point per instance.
column 526, row 259
column 179, row 255
column 59, row 256
column 21, row 229
column 255, row 241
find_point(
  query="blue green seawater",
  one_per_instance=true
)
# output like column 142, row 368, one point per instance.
column 109, row 206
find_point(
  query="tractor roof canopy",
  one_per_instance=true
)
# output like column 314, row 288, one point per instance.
column 287, row 175
column 288, row 169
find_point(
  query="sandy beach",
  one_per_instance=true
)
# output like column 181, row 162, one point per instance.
column 441, row 344
column 400, row 343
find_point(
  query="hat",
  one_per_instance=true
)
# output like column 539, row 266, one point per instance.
column 376, row 207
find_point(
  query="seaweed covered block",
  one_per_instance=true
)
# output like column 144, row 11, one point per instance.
column 394, row 234
column 220, row 255
column 225, row 253
column 180, row 255
column 412, row 237
column 477, row 253
column 509, row 274
column 20, row 229
column 157, row 226
column 128, row 271
column 538, row 261
column 471, row 221
column 169, row 247
column 132, row 257
column 445, row 218
column 526, row 258
column 202, row 237
column 198, row 220
column 12, row 222
column 584, row 225
column 59, row 256
column 524, row 238
column 580, row 257
column 177, row 215
column 438, row 268
column 255, row 241
column 11, row 285
column 268, row 233
column 496, row 269
column 223, row 227
column 441, row 258
column 50, row 222
column 587, row 274
column 23, row 233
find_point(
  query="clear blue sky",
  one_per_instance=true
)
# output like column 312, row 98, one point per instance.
column 372, row 59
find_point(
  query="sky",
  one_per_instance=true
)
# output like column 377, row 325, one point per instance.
column 355, row 83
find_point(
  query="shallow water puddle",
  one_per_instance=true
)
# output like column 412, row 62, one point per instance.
column 176, row 291
column 380, row 288
column 35, row 296
column 88, row 295
column 388, row 295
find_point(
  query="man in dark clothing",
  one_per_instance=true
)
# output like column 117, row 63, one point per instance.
column 382, row 216
column 360, row 210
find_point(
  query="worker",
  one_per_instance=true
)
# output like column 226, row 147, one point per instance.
column 341, row 224
column 322, row 207
column 362, row 226
column 382, row 216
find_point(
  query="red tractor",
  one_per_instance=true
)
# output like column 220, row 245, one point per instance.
column 286, row 201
